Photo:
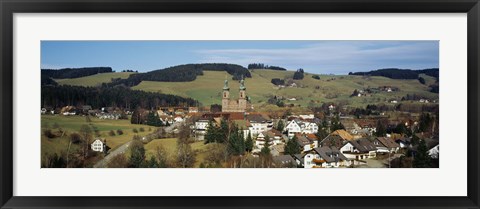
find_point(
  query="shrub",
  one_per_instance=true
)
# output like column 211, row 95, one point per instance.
column 142, row 129
column 111, row 133
column 135, row 130
column 119, row 132
column 49, row 134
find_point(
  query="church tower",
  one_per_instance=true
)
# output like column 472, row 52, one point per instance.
column 225, row 96
column 242, row 100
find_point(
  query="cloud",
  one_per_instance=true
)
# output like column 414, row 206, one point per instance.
column 334, row 56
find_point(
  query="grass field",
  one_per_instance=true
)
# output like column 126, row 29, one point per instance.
column 93, row 80
column 170, row 145
column 330, row 88
column 71, row 124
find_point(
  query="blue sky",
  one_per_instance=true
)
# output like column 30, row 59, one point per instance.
column 323, row 57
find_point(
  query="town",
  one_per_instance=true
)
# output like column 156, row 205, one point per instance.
column 234, row 133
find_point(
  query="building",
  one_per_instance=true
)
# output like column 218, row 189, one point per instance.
column 384, row 144
column 230, row 105
column 326, row 157
column 97, row 145
column 359, row 149
column 297, row 126
column 284, row 161
column 257, row 124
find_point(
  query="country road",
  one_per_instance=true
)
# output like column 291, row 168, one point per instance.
column 120, row 150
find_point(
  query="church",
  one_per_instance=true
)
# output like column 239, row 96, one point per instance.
column 230, row 105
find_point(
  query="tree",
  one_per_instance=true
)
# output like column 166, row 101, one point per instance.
column 292, row 147
column 236, row 143
column 421, row 80
column 336, row 124
column 422, row 159
column 381, row 129
column 265, row 153
column 86, row 134
column 153, row 120
column 137, row 154
column 186, row 156
column 162, row 157
column 213, row 133
column 224, row 131
column 298, row 75
column 425, row 122
column 280, row 125
column 152, row 163
column 249, row 143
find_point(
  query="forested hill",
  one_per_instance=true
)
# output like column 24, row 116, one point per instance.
column 74, row 72
column 181, row 73
column 119, row 96
column 395, row 73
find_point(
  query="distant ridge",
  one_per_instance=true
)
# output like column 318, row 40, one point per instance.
column 183, row 73
column 74, row 72
column 395, row 73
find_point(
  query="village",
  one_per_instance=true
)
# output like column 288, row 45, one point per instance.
column 327, row 137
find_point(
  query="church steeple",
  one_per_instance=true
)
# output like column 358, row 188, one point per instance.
column 225, row 86
column 242, row 84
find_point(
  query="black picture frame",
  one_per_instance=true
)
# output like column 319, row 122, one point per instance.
column 10, row 7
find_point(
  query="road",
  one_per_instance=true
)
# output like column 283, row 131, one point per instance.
column 120, row 150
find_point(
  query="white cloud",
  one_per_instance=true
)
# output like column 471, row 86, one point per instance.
column 335, row 56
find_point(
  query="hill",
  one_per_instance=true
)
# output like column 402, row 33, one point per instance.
column 93, row 80
column 74, row 72
column 181, row 73
column 330, row 88
column 395, row 73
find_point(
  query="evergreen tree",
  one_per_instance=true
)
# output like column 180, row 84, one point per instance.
column 381, row 130
column 236, row 144
column 422, row 159
column 137, row 154
column 224, row 131
column 280, row 125
column 212, row 132
column 265, row 151
column 292, row 147
column 336, row 124
column 152, row 163
column 154, row 120
column 249, row 143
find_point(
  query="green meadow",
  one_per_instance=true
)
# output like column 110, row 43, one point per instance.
column 93, row 80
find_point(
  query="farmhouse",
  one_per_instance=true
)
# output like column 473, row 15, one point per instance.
column 97, row 146
column 359, row 149
column 325, row 157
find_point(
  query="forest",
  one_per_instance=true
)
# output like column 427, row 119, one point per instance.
column 97, row 97
column 263, row 66
column 395, row 73
column 74, row 72
column 182, row 73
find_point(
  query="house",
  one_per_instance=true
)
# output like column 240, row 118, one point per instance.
column 277, row 149
column 178, row 119
column 332, row 140
column 434, row 152
column 284, row 161
column 257, row 124
column 292, row 128
column 404, row 142
column 86, row 108
column 260, row 140
column 299, row 159
column 200, row 128
column 342, row 133
column 384, row 144
column 326, row 157
column 359, row 149
column 192, row 109
column 97, row 146
column 305, row 143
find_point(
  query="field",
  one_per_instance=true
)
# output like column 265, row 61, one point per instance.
column 309, row 91
column 93, row 80
column 170, row 145
column 71, row 124
column 330, row 88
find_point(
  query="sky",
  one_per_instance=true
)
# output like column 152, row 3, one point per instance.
column 321, row 57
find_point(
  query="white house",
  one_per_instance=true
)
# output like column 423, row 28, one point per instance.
column 258, row 124
column 434, row 152
column 292, row 128
column 309, row 128
column 326, row 157
column 178, row 119
column 201, row 127
column 359, row 149
column 97, row 146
